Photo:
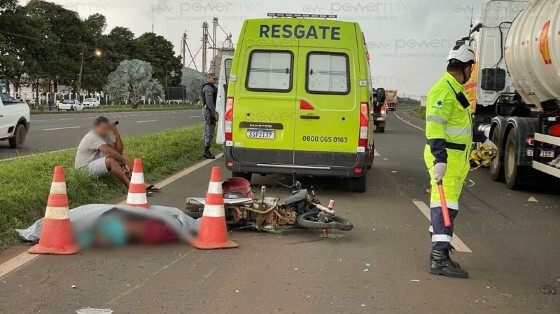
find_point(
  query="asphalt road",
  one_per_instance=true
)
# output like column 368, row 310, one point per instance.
column 52, row 132
column 508, row 244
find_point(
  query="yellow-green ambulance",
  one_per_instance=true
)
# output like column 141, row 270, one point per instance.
column 299, row 100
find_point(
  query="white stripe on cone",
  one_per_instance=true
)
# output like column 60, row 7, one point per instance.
column 56, row 213
column 215, row 187
column 137, row 198
column 214, row 211
column 58, row 188
column 137, row 177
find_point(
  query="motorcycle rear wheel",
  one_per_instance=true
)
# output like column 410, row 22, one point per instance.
column 310, row 220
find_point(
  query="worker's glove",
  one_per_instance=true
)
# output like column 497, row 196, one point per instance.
column 490, row 144
column 439, row 171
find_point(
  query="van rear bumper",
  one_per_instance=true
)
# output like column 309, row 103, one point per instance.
column 326, row 164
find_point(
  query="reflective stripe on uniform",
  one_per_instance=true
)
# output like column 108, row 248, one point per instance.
column 458, row 131
column 450, row 205
column 436, row 119
column 431, row 229
column 441, row 238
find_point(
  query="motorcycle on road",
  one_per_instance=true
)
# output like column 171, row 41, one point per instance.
column 301, row 210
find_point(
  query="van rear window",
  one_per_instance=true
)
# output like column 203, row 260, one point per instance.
column 328, row 73
column 270, row 71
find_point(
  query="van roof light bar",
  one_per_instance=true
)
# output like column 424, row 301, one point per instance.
column 304, row 15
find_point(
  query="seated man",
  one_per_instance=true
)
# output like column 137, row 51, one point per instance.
column 101, row 152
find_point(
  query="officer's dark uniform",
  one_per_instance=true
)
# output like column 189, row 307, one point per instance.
column 209, row 98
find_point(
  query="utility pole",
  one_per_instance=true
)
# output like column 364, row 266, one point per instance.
column 214, row 44
column 204, row 46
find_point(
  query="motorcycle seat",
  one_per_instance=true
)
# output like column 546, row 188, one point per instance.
column 296, row 198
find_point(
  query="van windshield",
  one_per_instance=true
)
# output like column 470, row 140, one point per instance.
column 328, row 73
column 270, row 71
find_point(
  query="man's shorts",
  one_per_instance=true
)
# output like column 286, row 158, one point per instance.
column 98, row 167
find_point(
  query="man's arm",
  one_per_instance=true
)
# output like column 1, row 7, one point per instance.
column 209, row 96
column 113, row 153
column 438, row 111
column 117, row 144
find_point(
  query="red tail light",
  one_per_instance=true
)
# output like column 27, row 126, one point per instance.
column 228, row 126
column 364, row 122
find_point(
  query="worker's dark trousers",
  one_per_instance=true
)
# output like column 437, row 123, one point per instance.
column 441, row 235
column 209, row 128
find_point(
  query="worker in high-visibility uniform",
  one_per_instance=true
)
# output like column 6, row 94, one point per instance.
column 450, row 134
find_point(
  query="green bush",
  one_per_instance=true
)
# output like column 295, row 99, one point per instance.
column 26, row 181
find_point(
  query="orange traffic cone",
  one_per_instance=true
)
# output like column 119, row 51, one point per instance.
column 56, row 234
column 212, row 233
column 137, row 189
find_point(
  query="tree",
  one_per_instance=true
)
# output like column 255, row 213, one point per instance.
column 159, row 52
column 133, row 80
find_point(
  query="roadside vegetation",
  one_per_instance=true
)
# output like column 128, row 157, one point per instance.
column 419, row 113
column 26, row 181
column 119, row 108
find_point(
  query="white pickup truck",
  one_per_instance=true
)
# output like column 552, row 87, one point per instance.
column 15, row 119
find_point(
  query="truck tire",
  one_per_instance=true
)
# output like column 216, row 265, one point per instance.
column 359, row 184
column 244, row 175
column 19, row 136
column 497, row 165
column 513, row 173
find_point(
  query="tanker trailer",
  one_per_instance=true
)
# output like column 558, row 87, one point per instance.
column 515, row 87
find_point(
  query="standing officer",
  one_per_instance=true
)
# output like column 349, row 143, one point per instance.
column 209, row 97
column 450, row 134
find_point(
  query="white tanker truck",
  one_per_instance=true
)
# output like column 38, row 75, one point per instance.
column 515, row 87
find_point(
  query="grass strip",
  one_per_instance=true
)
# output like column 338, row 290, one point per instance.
column 419, row 113
column 26, row 181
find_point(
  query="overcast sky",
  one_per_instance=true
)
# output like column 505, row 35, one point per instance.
column 408, row 39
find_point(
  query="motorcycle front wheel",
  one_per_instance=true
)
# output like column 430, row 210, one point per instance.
column 311, row 220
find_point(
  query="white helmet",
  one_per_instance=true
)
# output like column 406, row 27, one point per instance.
column 462, row 53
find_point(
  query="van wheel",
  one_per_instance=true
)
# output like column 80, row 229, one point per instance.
column 244, row 175
column 19, row 136
column 381, row 129
column 359, row 185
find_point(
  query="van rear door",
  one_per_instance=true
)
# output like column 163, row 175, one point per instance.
column 327, row 116
column 263, row 111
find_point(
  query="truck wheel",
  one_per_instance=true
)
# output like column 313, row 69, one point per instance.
column 244, row 175
column 512, row 172
column 497, row 165
column 19, row 136
column 359, row 185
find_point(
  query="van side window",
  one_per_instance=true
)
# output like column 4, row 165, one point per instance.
column 328, row 73
column 270, row 71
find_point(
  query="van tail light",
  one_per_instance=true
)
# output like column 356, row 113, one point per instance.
column 228, row 117
column 384, row 110
column 364, row 123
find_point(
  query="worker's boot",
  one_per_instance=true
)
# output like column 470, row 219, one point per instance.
column 441, row 264
column 208, row 153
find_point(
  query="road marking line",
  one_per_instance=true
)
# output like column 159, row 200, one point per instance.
column 153, row 275
column 24, row 258
column 64, row 128
column 146, row 121
column 412, row 125
column 208, row 275
column 187, row 171
column 16, row 262
column 192, row 117
column 457, row 243
column 376, row 153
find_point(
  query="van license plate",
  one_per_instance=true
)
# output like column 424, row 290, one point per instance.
column 260, row 134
